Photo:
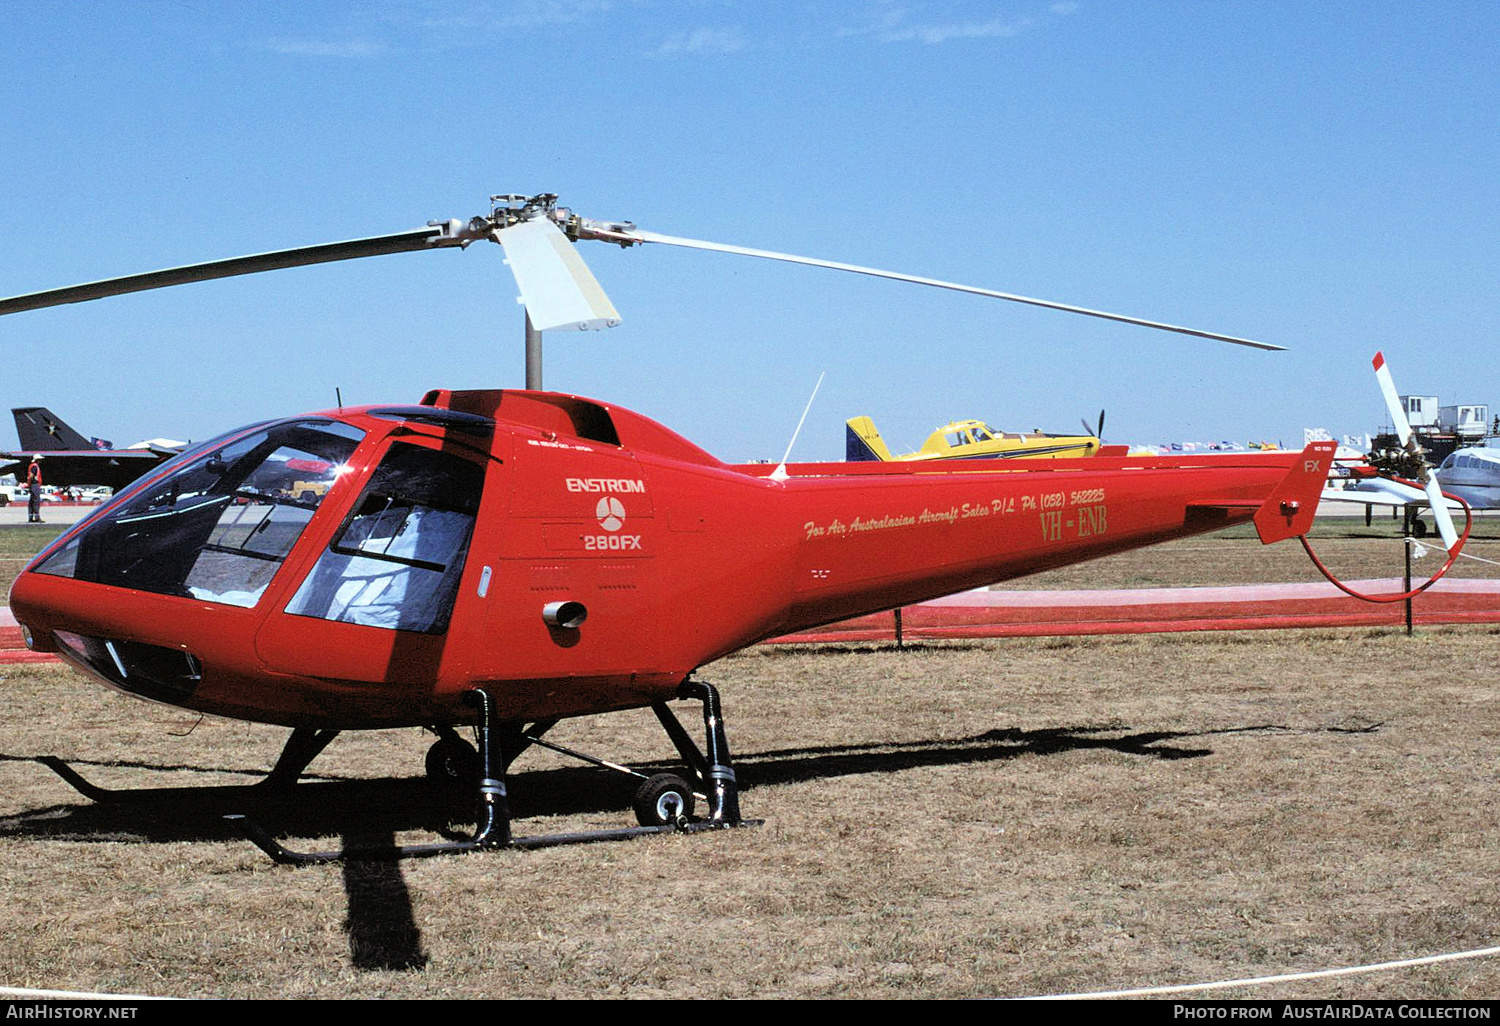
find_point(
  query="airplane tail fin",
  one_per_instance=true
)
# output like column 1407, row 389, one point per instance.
column 1289, row 510
column 862, row 443
column 40, row 429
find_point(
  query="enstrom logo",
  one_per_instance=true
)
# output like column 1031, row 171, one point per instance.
column 611, row 513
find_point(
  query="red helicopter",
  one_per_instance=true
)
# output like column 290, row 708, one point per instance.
column 505, row 559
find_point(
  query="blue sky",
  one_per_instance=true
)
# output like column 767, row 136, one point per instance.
column 1317, row 175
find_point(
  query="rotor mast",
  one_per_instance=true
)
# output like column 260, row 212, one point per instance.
column 557, row 288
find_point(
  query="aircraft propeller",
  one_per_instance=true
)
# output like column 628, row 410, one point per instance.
column 1408, row 440
column 557, row 288
column 1094, row 432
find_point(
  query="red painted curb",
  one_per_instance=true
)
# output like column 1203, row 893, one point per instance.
column 1002, row 614
column 13, row 649
column 999, row 614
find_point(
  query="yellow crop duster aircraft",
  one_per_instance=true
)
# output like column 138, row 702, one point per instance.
column 971, row 440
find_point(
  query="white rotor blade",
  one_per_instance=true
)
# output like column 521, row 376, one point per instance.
column 1430, row 485
column 1439, row 510
column 1392, row 400
column 558, row 289
column 672, row 240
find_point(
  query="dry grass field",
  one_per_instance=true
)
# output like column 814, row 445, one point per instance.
column 987, row 819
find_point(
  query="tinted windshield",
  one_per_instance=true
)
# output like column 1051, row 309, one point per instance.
column 218, row 527
column 398, row 558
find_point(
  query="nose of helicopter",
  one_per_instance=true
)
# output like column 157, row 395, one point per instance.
column 225, row 583
column 175, row 565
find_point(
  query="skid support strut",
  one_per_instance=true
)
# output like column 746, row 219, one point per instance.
column 500, row 743
column 716, row 770
column 492, row 818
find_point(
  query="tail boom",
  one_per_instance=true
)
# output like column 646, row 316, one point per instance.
column 871, row 540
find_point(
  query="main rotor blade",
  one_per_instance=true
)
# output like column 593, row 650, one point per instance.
column 557, row 288
column 672, row 240
column 401, row 242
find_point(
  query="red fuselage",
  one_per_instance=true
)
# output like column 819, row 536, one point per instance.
column 366, row 567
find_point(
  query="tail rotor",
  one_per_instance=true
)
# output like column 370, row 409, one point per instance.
column 1427, row 478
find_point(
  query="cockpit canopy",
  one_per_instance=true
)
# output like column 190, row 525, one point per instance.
column 219, row 525
column 221, row 522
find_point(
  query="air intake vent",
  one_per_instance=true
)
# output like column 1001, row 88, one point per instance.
column 151, row 671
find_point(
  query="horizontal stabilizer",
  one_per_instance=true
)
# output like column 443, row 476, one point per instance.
column 67, row 469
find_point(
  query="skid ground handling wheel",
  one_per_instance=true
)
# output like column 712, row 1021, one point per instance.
column 664, row 803
column 452, row 761
column 663, row 800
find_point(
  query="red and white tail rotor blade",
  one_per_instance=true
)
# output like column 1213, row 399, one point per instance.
column 1392, row 400
column 1430, row 486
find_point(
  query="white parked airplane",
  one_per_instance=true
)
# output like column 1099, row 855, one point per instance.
column 1473, row 474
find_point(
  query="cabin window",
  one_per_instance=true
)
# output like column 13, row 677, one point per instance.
column 396, row 561
column 219, row 527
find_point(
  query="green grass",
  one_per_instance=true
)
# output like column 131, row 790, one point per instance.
column 18, row 544
column 22, row 541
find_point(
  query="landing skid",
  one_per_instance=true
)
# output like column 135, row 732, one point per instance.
column 498, row 748
column 268, row 844
column 664, row 802
column 301, row 749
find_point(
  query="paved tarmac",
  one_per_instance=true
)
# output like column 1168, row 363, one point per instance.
column 15, row 513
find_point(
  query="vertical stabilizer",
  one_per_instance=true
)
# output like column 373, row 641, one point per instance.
column 39, row 429
column 1289, row 510
column 862, row 443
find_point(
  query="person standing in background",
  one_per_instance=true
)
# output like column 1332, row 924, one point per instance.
column 34, row 493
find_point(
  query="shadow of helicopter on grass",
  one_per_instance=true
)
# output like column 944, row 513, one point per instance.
column 381, row 807
column 369, row 813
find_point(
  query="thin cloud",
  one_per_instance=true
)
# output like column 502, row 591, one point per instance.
column 895, row 23
column 701, row 41
column 514, row 14
column 932, row 34
column 348, row 48
column 438, row 24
